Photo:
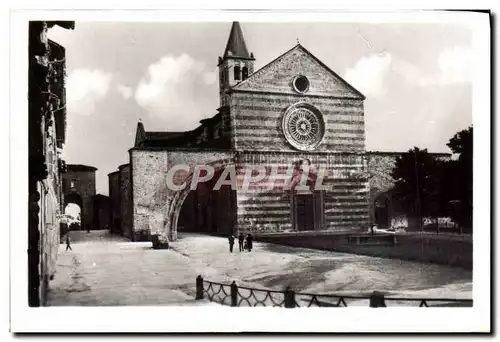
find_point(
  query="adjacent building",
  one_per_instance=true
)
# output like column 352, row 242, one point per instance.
column 46, row 130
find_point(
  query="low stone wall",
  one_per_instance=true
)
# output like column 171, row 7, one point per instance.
column 440, row 249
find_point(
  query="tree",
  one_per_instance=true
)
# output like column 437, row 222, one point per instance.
column 418, row 176
column 458, row 177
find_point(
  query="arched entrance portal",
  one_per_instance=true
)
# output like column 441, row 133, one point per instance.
column 204, row 210
column 70, row 201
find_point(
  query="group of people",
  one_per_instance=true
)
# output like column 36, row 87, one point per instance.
column 244, row 243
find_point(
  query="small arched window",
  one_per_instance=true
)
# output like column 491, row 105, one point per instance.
column 245, row 73
column 237, row 73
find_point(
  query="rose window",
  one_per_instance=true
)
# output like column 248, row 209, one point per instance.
column 303, row 126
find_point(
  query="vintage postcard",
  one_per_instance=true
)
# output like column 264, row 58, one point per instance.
column 228, row 171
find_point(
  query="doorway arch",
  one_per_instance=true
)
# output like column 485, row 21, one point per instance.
column 179, row 198
column 76, row 198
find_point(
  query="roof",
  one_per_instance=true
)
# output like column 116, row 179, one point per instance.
column 162, row 135
column 122, row 166
column 299, row 46
column 236, row 46
column 80, row 167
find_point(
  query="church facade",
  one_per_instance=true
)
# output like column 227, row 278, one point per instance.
column 291, row 113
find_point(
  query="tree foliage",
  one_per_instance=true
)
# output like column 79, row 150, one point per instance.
column 459, row 177
column 427, row 186
column 417, row 177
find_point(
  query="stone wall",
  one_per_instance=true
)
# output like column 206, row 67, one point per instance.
column 102, row 207
column 444, row 249
column 126, row 201
column 115, row 206
column 151, row 198
column 85, row 188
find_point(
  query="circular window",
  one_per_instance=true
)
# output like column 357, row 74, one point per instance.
column 301, row 84
column 303, row 126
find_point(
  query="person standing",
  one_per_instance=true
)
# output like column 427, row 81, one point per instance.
column 68, row 244
column 249, row 242
column 241, row 239
column 231, row 243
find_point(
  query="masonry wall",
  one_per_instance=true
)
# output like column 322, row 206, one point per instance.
column 102, row 212
column 256, row 122
column 151, row 196
column 345, row 206
column 85, row 187
column 115, row 206
column 126, row 201
column 445, row 250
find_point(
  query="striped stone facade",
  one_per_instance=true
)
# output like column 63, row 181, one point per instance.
column 345, row 206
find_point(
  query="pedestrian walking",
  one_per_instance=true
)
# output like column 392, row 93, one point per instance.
column 68, row 244
column 241, row 239
column 249, row 242
column 231, row 243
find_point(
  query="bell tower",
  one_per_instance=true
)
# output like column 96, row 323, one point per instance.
column 235, row 65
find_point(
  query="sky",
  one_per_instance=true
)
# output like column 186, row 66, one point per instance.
column 416, row 79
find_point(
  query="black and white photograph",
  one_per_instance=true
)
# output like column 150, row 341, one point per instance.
column 215, row 171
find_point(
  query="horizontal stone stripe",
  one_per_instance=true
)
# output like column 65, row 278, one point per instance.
column 360, row 207
column 347, row 115
column 346, row 212
column 265, row 160
column 346, row 202
column 270, row 144
column 250, row 206
column 272, row 212
column 348, row 222
column 345, row 198
column 251, row 130
column 276, row 219
column 343, row 121
column 346, row 217
column 347, row 206
column 252, row 167
column 273, row 142
column 242, row 196
column 354, row 116
column 273, row 124
column 277, row 136
column 273, row 100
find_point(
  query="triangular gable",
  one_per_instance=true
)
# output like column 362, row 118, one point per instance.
column 277, row 76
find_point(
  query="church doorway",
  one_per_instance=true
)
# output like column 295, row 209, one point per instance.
column 307, row 203
column 307, row 211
